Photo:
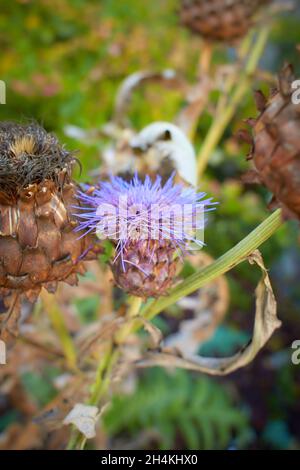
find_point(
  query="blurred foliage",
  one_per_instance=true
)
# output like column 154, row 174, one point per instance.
column 38, row 386
column 62, row 62
column 277, row 435
column 196, row 414
column 224, row 342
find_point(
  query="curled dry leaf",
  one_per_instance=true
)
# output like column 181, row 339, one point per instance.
column 84, row 417
column 168, row 78
column 266, row 322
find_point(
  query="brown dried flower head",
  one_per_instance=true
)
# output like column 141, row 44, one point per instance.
column 38, row 245
column 219, row 20
column 275, row 144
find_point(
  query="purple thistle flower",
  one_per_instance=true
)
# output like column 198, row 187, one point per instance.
column 144, row 219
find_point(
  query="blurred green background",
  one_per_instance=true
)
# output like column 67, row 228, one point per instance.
column 62, row 62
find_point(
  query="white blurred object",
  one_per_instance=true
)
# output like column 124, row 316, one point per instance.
column 170, row 142
column 84, row 417
column 76, row 132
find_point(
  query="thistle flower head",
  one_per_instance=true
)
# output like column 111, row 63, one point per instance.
column 144, row 210
column 144, row 219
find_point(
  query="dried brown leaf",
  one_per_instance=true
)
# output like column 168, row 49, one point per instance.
column 266, row 322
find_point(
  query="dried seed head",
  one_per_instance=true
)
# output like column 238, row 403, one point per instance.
column 28, row 155
column 275, row 149
column 219, row 20
column 38, row 246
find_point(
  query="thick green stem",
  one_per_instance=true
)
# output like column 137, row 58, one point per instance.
column 222, row 120
column 98, row 390
column 223, row 264
column 99, row 387
column 133, row 311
